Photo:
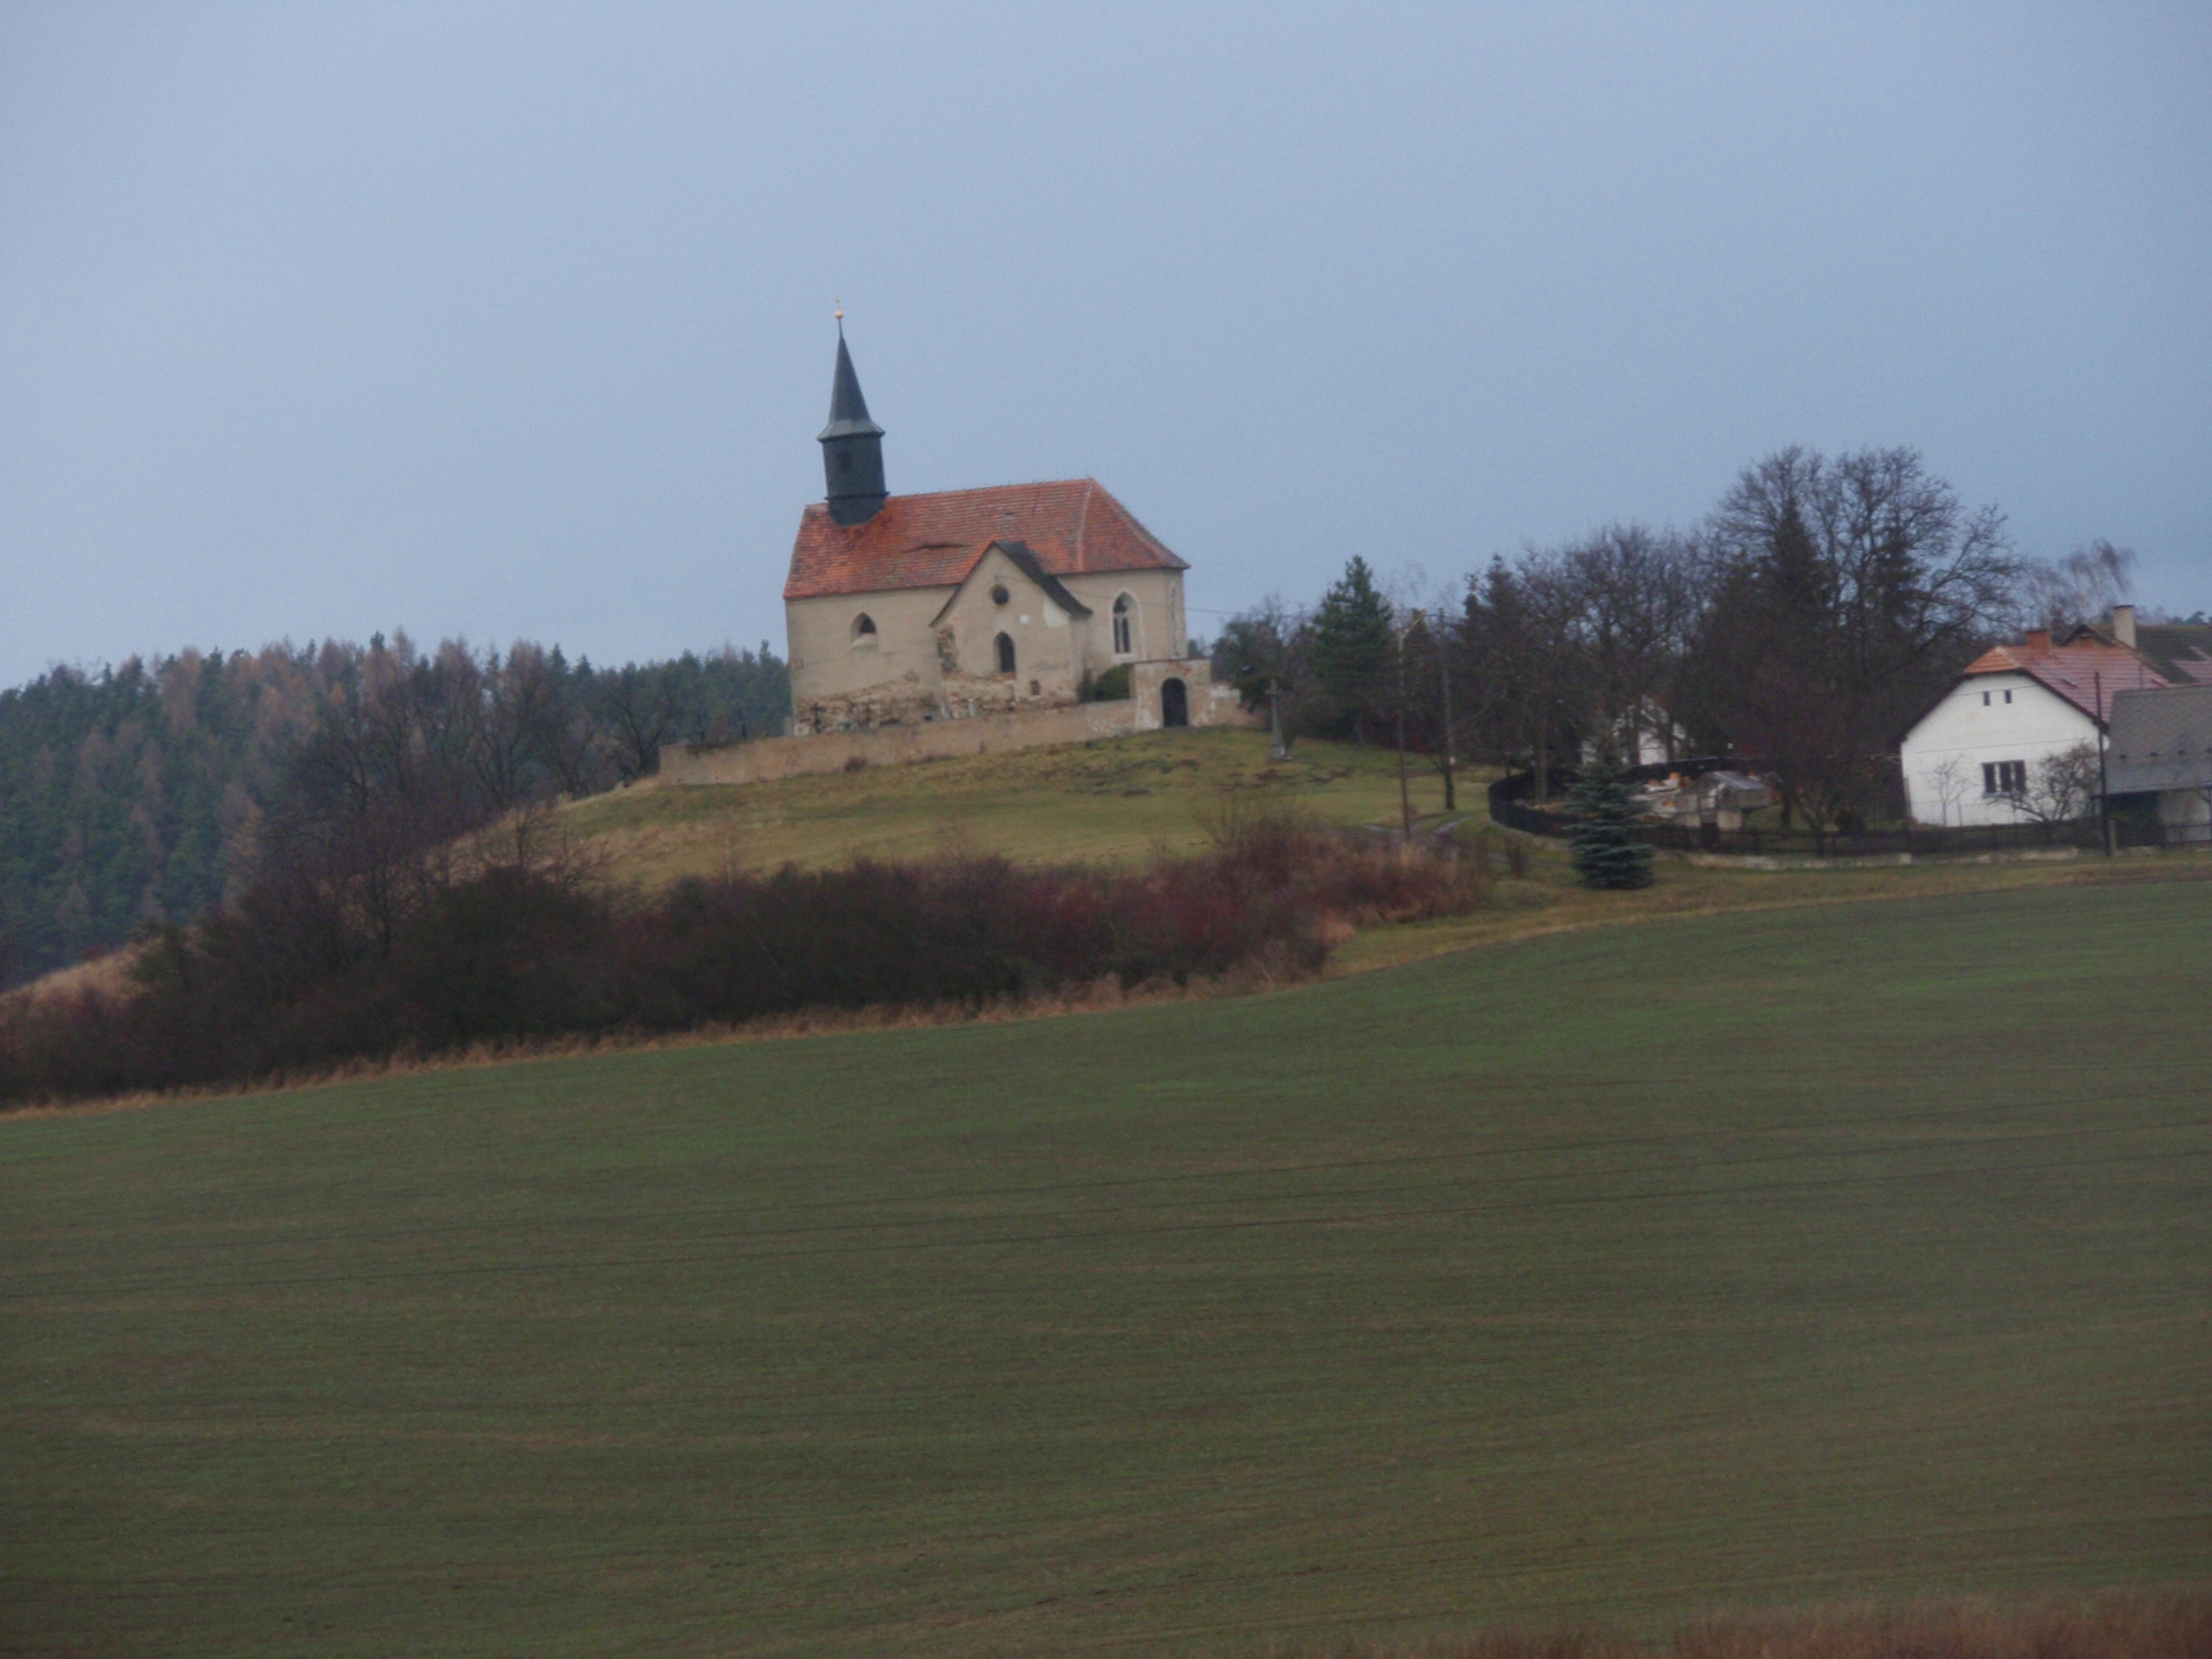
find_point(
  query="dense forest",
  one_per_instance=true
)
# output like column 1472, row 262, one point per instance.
column 140, row 794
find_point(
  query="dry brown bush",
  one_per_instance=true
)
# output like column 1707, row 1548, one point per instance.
column 2145, row 1624
column 514, row 945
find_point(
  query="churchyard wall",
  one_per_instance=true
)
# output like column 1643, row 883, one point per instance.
column 769, row 758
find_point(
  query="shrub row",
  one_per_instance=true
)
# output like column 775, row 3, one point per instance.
column 287, row 980
column 2143, row 1625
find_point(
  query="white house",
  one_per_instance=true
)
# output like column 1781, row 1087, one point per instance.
column 1646, row 736
column 1972, row 759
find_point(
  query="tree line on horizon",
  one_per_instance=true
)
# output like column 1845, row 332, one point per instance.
column 1820, row 608
column 147, row 793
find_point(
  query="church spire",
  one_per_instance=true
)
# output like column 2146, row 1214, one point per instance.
column 852, row 446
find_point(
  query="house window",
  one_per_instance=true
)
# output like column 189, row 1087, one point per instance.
column 2008, row 696
column 2004, row 778
column 1122, row 630
column 1985, row 700
column 864, row 631
column 1006, row 653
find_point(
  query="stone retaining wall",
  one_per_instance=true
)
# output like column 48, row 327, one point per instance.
column 766, row 758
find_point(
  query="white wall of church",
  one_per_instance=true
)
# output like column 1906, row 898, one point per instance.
column 934, row 650
column 830, row 659
column 1048, row 642
column 1157, row 629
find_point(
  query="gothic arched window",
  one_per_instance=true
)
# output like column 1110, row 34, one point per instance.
column 1125, row 621
column 1006, row 654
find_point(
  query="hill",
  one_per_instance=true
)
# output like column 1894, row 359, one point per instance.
column 1768, row 1258
column 1113, row 800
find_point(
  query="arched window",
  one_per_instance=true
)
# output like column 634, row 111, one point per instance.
column 864, row 631
column 1006, row 654
column 1125, row 622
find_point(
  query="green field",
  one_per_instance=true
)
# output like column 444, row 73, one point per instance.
column 1112, row 800
column 1769, row 1259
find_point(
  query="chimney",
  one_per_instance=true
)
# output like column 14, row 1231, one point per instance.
column 2124, row 624
column 2039, row 642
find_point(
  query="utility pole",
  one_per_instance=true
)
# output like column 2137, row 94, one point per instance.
column 1276, row 749
column 2104, row 793
column 1405, row 793
column 1451, row 751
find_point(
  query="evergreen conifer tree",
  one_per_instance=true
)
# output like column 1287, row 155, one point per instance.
column 1603, row 843
column 1354, row 646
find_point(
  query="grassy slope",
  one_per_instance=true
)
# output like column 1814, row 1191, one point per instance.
column 1109, row 800
column 1861, row 1249
column 1123, row 800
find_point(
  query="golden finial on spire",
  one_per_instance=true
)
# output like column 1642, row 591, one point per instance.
column 840, row 304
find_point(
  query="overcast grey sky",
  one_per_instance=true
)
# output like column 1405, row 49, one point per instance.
column 516, row 320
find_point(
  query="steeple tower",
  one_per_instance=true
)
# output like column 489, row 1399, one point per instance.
column 852, row 446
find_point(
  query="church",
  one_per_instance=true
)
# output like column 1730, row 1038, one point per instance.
column 904, row 609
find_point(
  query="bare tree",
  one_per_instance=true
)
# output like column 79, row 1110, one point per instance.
column 1522, row 649
column 2085, row 584
column 1636, row 598
column 512, row 702
column 1952, row 786
column 639, row 710
column 1845, row 594
column 371, row 805
column 558, row 739
column 2061, row 788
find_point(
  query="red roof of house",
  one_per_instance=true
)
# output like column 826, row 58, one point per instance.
column 2077, row 668
column 1073, row 527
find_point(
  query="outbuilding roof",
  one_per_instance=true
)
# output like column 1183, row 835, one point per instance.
column 2180, row 650
column 1072, row 527
column 2160, row 740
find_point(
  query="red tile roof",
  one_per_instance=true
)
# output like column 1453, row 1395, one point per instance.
column 2077, row 668
column 1073, row 527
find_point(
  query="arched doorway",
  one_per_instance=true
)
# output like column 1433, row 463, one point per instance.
column 1174, row 703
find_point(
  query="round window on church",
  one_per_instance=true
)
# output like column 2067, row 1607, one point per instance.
column 998, row 594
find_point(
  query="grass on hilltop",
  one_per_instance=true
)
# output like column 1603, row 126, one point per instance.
column 1114, row 800
column 1770, row 1260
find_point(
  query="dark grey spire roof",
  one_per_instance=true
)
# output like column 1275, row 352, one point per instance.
column 849, row 409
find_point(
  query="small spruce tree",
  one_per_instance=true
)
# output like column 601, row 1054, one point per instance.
column 1604, row 844
column 1354, row 646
